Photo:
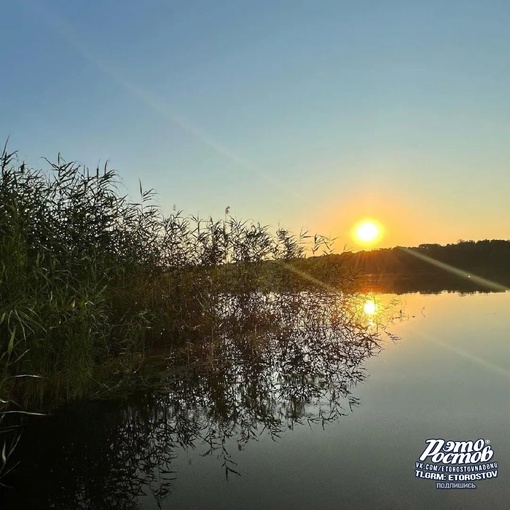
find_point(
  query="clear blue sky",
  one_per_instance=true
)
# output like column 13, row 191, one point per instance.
column 300, row 113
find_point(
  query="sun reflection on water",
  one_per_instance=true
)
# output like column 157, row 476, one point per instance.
column 371, row 311
column 370, row 307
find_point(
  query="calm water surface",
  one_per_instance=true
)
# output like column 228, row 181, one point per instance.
column 346, row 442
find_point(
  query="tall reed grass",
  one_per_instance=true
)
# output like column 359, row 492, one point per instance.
column 90, row 279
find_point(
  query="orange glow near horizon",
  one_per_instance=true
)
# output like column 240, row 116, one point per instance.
column 397, row 222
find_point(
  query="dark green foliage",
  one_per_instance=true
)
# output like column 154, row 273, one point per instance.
column 481, row 257
column 89, row 279
column 65, row 239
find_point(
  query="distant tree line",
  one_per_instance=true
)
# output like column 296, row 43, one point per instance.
column 483, row 258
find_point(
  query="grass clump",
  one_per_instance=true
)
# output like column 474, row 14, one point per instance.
column 89, row 278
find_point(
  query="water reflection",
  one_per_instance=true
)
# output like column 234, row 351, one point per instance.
column 280, row 361
column 370, row 307
column 426, row 283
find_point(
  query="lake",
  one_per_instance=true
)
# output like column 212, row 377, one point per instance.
column 345, row 431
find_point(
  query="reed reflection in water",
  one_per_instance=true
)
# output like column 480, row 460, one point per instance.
column 280, row 360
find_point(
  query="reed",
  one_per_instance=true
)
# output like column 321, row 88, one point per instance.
column 91, row 279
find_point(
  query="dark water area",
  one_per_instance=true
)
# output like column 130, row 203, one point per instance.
column 304, row 421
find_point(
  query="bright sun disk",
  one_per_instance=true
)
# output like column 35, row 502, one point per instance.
column 367, row 232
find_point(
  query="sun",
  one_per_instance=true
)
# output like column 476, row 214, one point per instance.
column 367, row 232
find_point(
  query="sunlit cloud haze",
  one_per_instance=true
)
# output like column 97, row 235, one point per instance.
column 305, row 114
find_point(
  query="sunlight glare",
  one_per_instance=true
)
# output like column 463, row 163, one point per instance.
column 370, row 307
column 367, row 232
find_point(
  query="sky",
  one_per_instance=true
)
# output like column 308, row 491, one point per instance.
column 301, row 114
